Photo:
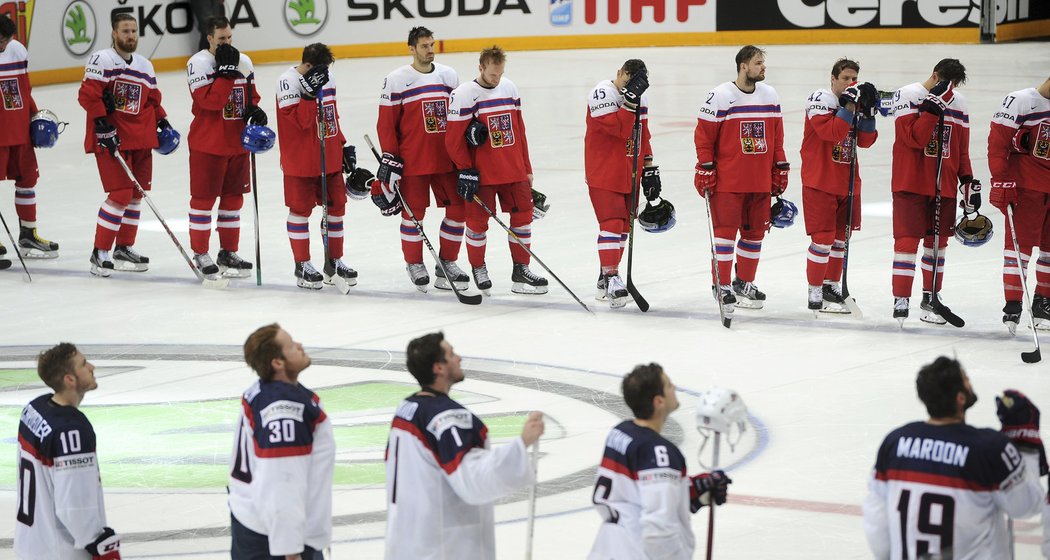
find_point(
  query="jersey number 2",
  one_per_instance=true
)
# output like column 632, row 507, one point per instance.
column 942, row 528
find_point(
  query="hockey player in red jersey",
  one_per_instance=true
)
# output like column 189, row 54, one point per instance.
column 61, row 514
column 917, row 108
column 940, row 488
column 17, row 158
column 120, row 95
column 1019, row 159
column 413, row 109
column 225, row 100
column 298, row 90
column 827, row 152
column 612, row 107
column 741, row 163
column 486, row 141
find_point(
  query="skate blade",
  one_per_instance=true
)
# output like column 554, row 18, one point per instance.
column 308, row 285
column 228, row 272
column 441, row 283
column 1011, row 326
column 215, row 283
column 618, row 302
column 932, row 318
column 125, row 266
column 744, row 303
column 1042, row 324
column 834, row 308
column 342, row 284
column 28, row 253
column 528, row 289
column 727, row 315
column 600, row 295
column 100, row 271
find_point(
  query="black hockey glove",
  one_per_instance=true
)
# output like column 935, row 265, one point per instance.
column 869, row 100
column 349, row 158
column 969, row 194
column 938, row 99
column 850, row 95
column 1020, row 420
column 106, row 546
column 163, row 124
column 386, row 199
column 107, row 100
column 632, row 92
column 706, row 486
column 106, row 135
column 314, row 79
column 469, row 183
column 476, row 134
column 651, row 182
column 253, row 114
column 390, row 169
column 227, row 61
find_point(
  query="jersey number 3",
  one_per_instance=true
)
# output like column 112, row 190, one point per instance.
column 941, row 525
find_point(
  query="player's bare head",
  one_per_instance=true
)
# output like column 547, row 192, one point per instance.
column 749, row 58
column 8, row 28
column 634, row 66
column 940, row 385
column 492, row 55
column 416, row 34
column 423, row 354
column 641, row 387
column 54, row 364
column 125, row 32
column 842, row 65
column 952, row 70
column 219, row 31
column 491, row 64
column 261, row 349
column 318, row 54
column 421, row 45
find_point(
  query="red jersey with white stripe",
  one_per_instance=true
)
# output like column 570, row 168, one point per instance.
column 944, row 489
column 297, row 128
column 442, row 478
column 281, row 469
column 504, row 157
column 915, row 145
column 137, row 108
column 1025, row 109
column 413, row 116
column 743, row 133
column 608, row 144
column 827, row 146
column 218, row 105
column 18, row 106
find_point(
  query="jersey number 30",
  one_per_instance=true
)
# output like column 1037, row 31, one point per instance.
column 941, row 526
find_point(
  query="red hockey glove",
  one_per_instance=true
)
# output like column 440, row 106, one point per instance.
column 106, row 546
column 1004, row 193
column 780, row 178
column 1020, row 420
column 706, row 178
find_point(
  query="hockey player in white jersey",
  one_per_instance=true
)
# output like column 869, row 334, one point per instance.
column 61, row 515
column 442, row 474
column 643, row 492
column 941, row 487
column 283, row 457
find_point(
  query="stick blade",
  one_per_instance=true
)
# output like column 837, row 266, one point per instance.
column 640, row 301
column 953, row 319
column 469, row 299
column 1031, row 357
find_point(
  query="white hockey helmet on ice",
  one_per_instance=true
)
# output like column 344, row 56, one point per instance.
column 719, row 410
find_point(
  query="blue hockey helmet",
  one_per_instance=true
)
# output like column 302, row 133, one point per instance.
column 975, row 231
column 783, row 213
column 659, row 218
column 44, row 129
column 257, row 138
column 168, row 140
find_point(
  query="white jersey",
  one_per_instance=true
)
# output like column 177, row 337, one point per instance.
column 945, row 489
column 442, row 479
column 642, row 494
column 281, row 470
column 60, row 509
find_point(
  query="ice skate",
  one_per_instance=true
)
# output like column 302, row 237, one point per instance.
column 206, row 266
column 816, row 300
column 231, row 265
column 928, row 313
column 459, row 277
column 481, row 279
column 833, row 300
column 32, row 246
column 1012, row 315
column 900, row 309
column 727, row 301
column 748, row 296
column 601, row 287
column 337, row 274
column 417, row 273
column 126, row 259
column 307, row 277
column 101, row 263
column 1041, row 312
column 4, row 261
column 527, row 282
column 616, row 291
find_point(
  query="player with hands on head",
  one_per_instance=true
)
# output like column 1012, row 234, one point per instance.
column 443, row 475
column 936, row 482
column 643, row 493
column 61, row 514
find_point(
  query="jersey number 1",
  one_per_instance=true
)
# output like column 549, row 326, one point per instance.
column 943, row 528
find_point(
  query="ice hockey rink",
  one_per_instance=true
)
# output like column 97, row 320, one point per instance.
column 822, row 392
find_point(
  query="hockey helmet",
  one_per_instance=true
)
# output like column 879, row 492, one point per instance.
column 539, row 204
column 44, row 129
column 975, row 231
column 168, row 140
column 659, row 218
column 359, row 183
column 783, row 213
column 257, row 138
column 718, row 410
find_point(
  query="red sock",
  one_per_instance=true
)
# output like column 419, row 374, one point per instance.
column 521, row 225
column 299, row 236
column 904, row 265
column 452, row 232
column 25, row 206
column 129, row 224
column 228, row 225
column 748, row 252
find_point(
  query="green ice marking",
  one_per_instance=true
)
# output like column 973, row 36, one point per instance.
column 77, row 23
column 305, row 9
column 17, row 378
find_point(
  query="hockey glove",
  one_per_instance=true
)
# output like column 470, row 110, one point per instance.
column 651, row 182
column 106, row 135
column 163, row 124
column 850, row 95
column 970, row 194
column 869, row 100
column 780, row 178
column 469, row 183
column 390, row 169
column 349, row 158
column 358, row 183
column 1020, row 420
column 1022, row 140
column 632, row 92
column 476, row 134
column 938, row 99
column 253, row 114
column 313, row 80
column 227, row 61
column 106, row 546
column 539, row 204
column 706, row 486
column 386, row 199
column 706, row 178
column 108, row 102
column 1004, row 193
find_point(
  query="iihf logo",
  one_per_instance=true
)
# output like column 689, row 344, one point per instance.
column 561, row 12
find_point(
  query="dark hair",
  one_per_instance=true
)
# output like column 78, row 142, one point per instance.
column 318, row 54
column 421, row 355
column 7, row 27
column 216, row 22
column 746, row 54
column 261, row 349
column 938, row 385
column 122, row 16
column 53, row 365
column 640, row 386
column 951, row 69
column 493, row 54
column 417, row 33
column 634, row 66
column 842, row 64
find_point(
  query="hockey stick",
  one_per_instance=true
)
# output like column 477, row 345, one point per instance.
column 329, row 269
column 935, row 302
column 255, row 209
column 14, row 247
column 848, row 300
column 530, row 524
column 218, row 283
column 468, row 299
column 727, row 317
column 711, row 518
column 636, row 137
column 1035, row 355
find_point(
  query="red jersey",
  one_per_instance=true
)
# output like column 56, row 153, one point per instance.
column 743, row 133
column 607, row 146
column 413, row 109
column 18, row 107
column 218, row 105
column 1026, row 109
column 826, row 144
column 297, row 128
column 136, row 99
column 915, row 146
column 504, row 157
